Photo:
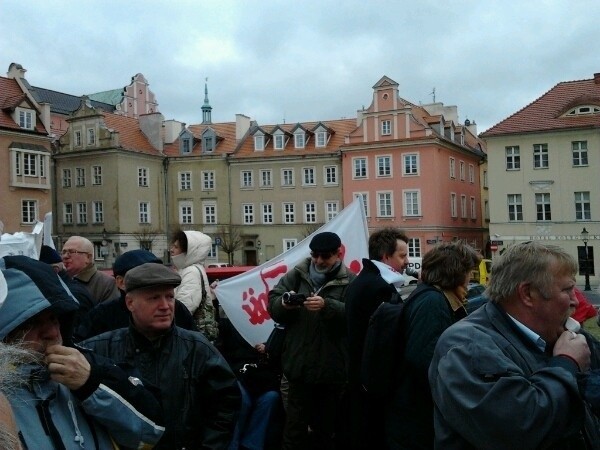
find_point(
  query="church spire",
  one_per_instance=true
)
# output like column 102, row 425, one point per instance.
column 206, row 108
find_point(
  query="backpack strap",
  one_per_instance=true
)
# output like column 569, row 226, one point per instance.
column 204, row 296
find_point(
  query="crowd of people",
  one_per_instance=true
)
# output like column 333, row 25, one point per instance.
column 147, row 359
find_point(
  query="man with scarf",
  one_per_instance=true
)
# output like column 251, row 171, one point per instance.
column 381, row 278
column 315, row 353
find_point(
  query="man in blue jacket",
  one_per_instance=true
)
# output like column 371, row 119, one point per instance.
column 69, row 398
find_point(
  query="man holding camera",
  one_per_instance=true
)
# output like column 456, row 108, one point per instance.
column 315, row 353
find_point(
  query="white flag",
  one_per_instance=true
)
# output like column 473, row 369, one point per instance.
column 245, row 297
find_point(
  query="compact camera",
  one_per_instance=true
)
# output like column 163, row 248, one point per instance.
column 293, row 299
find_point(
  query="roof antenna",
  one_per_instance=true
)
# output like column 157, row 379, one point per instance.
column 433, row 94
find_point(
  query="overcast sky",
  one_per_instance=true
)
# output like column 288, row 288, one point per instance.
column 278, row 61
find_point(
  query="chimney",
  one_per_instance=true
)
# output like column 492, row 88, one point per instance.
column 16, row 70
column 151, row 125
column 242, row 125
column 172, row 130
column 597, row 78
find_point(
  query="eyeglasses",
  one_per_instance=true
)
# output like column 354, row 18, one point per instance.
column 71, row 252
column 317, row 255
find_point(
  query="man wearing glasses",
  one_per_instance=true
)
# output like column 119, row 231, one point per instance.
column 78, row 258
column 315, row 351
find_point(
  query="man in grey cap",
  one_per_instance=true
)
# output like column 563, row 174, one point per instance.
column 199, row 392
column 315, row 352
column 113, row 314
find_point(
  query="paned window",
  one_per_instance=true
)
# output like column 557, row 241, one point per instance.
column 82, row 212
column 287, row 177
column 414, row 247
column 142, row 176
column 582, row 206
column 540, row 156
column 96, row 175
column 331, row 175
column 384, row 204
column 210, row 213
column 144, row 212
column 580, row 153
column 542, row 206
column 208, row 180
column 259, row 142
column 68, row 213
column 266, row 178
column 452, row 204
column 412, row 203
column 267, row 213
column 384, row 166
column 246, row 179
column 91, row 136
column 452, row 168
column 410, row 164
column 515, row 208
column 29, row 211
column 299, row 139
column 289, row 213
column 513, row 157
column 248, row 214
column 66, row 181
column 278, row 141
column 98, row 212
column 80, row 181
column 386, row 127
column 331, row 210
column 289, row 244
column 185, row 181
column 360, row 167
column 310, row 212
column 308, row 178
column 186, row 213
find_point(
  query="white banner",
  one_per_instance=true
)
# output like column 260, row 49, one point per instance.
column 21, row 243
column 246, row 296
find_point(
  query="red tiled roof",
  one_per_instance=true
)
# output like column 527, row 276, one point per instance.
column 546, row 113
column 341, row 128
column 11, row 96
column 130, row 134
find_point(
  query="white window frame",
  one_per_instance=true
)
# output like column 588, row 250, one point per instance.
column 471, row 173
column 360, row 168
column 288, row 244
column 299, row 139
column 287, row 177
column 321, row 139
column 583, row 206
column 452, row 168
column 463, row 206
column 330, row 175
column 208, row 180
column 385, row 203
column 266, row 178
column 541, row 158
column 579, row 151
column 66, row 178
column 29, row 211
column 384, row 166
column 81, row 213
column 186, row 213
column 185, row 181
column 26, row 118
column 309, row 177
column 267, row 213
column 288, row 212
column 259, row 142
column 97, row 211
column 515, row 207
column 473, row 208
column 453, row 212
column 386, row 127
column 96, row 175
column 247, row 179
column 78, row 138
column 332, row 209
column 144, row 212
column 414, row 247
column 143, row 177
column 410, row 164
column 278, row 141
column 543, row 207
column 210, row 213
column 91, row 136
column 461, row 168
column 80, row 176
column 310, row 212
column 412, row 202
column 248, row 213
column 68, row 213
column 512, row 157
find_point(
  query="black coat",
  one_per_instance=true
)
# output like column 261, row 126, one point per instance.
column 362, row 298
column 113, row 314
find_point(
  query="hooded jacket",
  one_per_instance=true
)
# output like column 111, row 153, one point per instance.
column 108, row 407
column 190, row 266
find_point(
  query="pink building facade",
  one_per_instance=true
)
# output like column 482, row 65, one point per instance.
column 416, row 168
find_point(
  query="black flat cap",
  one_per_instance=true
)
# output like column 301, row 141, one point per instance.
column 325, row 242
column 133, row 258
column 150, row 275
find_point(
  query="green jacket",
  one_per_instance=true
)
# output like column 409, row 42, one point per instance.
column 315, row 349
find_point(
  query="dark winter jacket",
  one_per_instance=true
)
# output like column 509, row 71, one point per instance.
column 362, row 298
column 315, row 347
column 409, row 416
column 199, row 392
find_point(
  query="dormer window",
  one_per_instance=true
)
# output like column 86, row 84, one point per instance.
column 91, row 136
column 26, row 119
column 321, row 139
column 278, row 141
column 583, row 110
column 299, row 139
column 186, row 146
column 259, row 142
column 209, row 140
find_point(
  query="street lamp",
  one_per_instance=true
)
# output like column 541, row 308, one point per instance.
column 584, row 237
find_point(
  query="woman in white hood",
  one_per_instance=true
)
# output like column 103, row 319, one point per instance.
column 189, row 250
